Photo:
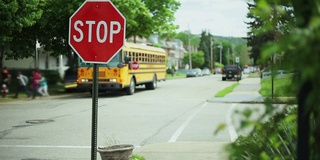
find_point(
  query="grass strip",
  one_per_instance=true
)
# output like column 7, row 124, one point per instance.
column 227, row 90
column 282, row 87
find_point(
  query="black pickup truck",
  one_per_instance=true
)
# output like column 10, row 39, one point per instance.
column 231, row 72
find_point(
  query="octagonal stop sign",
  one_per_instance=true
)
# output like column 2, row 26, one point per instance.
column 97, row 31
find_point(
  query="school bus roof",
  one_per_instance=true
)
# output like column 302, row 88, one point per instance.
column 144, row 47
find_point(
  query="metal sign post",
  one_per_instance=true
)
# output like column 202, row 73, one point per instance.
column 94, row 112
column 96, row 45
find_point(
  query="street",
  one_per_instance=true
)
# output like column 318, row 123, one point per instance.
column 59, row 128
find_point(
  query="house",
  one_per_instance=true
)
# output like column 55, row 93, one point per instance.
column 174, row 48
column 42, row 61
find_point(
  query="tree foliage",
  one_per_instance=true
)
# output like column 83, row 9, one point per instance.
column 226, row 50
column 25, row 21
column 296, row 28
column 17, row 16
column 137, row 16
column 206, row 44
column 197, row 59
column 184, row 37
column 267, row 25
column 241, row 51
column 54, row 25
column 162, row 13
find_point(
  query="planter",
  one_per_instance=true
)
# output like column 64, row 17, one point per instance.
column 116, row 152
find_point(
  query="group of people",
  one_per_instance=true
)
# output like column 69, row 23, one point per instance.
column 38, row 83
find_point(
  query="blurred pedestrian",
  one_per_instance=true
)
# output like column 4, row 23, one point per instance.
column 5, row 81
column 23, row 82
column 35, row 82
column 172, row 72
column 43, row 89
column 4, row 90
column 5, row 76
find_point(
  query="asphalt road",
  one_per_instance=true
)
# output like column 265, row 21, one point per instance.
column 60, row 128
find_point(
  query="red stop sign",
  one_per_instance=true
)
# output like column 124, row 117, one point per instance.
column 97, row 31
column 134, row 65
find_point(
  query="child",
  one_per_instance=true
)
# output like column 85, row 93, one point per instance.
column 23, row 82
column 43, row 89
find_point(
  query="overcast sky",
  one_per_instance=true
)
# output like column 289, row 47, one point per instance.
column 220, row 17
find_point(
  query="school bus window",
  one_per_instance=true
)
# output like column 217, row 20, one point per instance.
column 155, row 58
column 139, row 56
column 162, row 59
column 147, row 58
column 144, row 59
column 135, row 57
column 132, row 56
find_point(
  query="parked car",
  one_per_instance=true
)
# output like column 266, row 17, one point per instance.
column 193, row 73
column 205, row 72
column 217, row 70
column 199, row 72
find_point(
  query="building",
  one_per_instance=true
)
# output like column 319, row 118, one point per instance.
column 174, row 48
column 42, row 61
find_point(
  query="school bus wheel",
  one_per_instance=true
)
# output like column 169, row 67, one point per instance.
column 132, row 87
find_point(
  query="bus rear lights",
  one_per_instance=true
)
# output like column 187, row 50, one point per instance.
column 84, row 80
column 115, row 70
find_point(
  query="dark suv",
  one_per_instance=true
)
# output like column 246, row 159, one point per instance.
column 231, row 72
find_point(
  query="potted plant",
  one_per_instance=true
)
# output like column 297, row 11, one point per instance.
column 116, row 152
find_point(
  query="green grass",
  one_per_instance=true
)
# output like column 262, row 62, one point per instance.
column 284, row 90
column 227, row 90
column 137, row 157
column 282, row 87
column 176, row 76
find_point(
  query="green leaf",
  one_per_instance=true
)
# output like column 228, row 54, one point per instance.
column 221, row 127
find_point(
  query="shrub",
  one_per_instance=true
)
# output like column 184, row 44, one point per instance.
column 273, row 139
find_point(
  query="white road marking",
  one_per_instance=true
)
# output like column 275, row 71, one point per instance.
column 178, row 132
column 232, row 131
column 43, row 146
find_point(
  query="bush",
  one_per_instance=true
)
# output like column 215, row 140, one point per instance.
column 274, row 139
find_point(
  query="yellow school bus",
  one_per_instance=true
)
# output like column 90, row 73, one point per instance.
column 133, row 65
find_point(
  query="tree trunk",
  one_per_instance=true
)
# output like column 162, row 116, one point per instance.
column 303, row 11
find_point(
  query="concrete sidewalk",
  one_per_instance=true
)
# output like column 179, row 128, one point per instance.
column 183, row 151
column 246, row 92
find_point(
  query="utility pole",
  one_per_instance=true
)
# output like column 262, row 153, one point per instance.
column 228, row 55
column 221, row 47
column 189, row 49
column 211, row 57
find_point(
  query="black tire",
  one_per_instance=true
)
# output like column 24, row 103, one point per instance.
column 132, row 87
column 223, row 79
column 152, row 85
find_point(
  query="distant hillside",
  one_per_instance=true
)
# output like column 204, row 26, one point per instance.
column 233, row 40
